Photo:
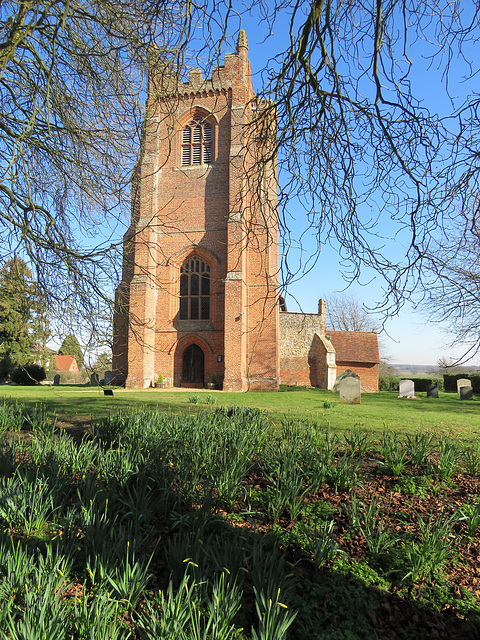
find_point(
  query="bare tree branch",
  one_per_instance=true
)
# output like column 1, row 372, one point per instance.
column 361, row 159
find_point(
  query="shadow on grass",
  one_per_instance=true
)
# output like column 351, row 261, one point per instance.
column 334, row 606
column 97, row 521
column 83, row 402
column 377, row 411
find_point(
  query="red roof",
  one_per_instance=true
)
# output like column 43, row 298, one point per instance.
column 355, row 346
column 66, row 363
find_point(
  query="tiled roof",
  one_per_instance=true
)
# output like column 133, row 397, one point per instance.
column 355, row 346
column 65, row 363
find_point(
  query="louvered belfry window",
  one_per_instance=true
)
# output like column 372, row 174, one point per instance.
column 195, row 289
column 197, row 143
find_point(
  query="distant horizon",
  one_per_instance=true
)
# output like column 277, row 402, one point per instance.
column 470, row 367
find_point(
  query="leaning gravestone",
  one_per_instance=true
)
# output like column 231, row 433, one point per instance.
column 108, row 377
column 94, row 380
column 463, row 382
column 432, row 391
column 348, row 373
column 56, row 380
column 466, row 393
column 349, row 390
column 406, row 389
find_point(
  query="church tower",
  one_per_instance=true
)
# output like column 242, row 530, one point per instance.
column 199, row 292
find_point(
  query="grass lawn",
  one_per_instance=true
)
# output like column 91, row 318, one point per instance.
column 446, row 415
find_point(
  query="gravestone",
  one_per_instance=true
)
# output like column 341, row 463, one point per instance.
column 348, row 373
column 463, row 382
column 94, row 381
column 432, row 391
column 406, row 389
column 108, row 392
column 349, row 390
column 108, row 377
column 56, row 380
column 466, row 393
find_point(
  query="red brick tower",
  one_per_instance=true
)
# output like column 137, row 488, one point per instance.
column 200, row 276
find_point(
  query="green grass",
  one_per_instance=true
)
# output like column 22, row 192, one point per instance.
column 221, row 525
column 446, row 415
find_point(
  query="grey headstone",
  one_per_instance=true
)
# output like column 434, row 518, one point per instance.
column 94, row 381
column 406, row 389
column 432, row 391
column 466, row 393
column 463, row 382
column 350, row 390
column 108, row 377
column 56, row 380
column 348, row 373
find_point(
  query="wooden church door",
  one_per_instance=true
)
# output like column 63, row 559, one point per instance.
column 193, row 365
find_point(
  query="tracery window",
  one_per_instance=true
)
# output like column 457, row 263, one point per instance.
column 197, row 143
column 195, row 289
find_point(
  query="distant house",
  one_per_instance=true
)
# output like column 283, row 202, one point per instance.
column 66, row 363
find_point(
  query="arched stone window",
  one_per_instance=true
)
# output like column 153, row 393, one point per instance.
column 197, row 143
column 195, row 289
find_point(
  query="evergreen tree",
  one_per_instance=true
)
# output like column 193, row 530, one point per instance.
column 23, row 325
column 102, row 363
column 71, row 347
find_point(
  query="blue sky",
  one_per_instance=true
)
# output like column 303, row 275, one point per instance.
column 410, row 337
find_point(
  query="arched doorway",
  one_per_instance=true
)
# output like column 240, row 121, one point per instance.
column 193, row 362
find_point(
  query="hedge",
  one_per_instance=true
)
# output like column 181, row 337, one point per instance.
column 450, row 381
column 29, row 374
column 388, row 382
column 392, row 383
column 421, row 384
column 68, row 377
